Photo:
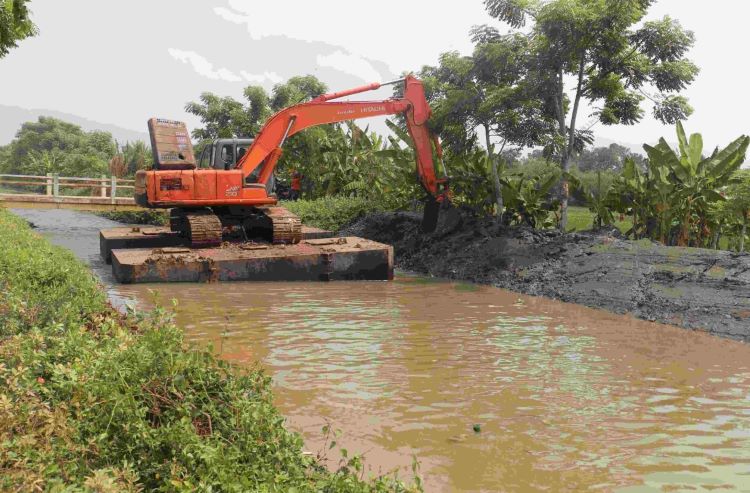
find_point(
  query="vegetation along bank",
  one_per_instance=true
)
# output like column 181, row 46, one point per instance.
column 91, row 400
column 330, row 213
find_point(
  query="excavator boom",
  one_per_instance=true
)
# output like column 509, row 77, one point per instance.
column 266, row 148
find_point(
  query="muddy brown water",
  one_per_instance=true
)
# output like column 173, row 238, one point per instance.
column 566, row 398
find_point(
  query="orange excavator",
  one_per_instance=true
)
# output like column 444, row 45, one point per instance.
column 207, row 202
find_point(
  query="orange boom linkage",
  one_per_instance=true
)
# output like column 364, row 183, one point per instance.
column 205, row 201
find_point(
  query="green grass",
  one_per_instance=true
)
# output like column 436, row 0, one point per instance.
column 331, row 213
column 91, row 400
column 155, row 217
column 581, row 219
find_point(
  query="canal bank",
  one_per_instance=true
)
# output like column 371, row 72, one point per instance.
column 706, row 290
column 94, row 400
column 566, row 398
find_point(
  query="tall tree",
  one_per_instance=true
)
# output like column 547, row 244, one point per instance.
column 225, row 117
column 487, row 97
column 222, row 117
column 594, row 50
column 50, row 145
column 228, row 118
column 136, row 155
column 15, row 24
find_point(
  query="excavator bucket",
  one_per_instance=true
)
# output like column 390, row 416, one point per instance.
column 431, row 215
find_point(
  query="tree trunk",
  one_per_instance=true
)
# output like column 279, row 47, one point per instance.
column 565, row 165
column 715, row 240
column 495, row 176
column 742, row 235
column 571, row 136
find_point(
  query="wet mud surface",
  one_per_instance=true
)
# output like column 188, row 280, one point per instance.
column 692, row 288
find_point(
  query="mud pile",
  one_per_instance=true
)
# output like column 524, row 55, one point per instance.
column 693, row 288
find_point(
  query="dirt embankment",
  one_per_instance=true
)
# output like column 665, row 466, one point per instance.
column 693, row 288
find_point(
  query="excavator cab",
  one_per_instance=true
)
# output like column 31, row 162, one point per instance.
column 223, row 154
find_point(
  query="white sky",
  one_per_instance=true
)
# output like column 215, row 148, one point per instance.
column 122, row 62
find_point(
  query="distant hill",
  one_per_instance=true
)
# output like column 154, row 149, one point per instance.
column 11, row 118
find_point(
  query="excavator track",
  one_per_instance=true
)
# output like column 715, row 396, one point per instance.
column 287, row 227
column 203, row 229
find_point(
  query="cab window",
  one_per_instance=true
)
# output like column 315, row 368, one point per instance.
column 241, row 150
column 226, row 156
column 205, row 159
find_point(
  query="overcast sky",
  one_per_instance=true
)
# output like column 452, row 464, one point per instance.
column 123, row 62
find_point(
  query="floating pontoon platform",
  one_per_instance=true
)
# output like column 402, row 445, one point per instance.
column 161, row 237
column 327, row 259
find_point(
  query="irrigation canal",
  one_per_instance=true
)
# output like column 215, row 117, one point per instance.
column 565, row 398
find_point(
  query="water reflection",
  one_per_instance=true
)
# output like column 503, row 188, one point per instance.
column 567, row 399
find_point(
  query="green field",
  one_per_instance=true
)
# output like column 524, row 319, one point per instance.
column 581, row 219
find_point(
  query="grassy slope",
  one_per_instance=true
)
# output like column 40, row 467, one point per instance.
column 92, row 400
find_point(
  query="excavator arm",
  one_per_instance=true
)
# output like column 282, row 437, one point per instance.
column 267, row 147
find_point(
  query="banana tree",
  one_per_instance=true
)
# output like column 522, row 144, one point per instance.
column 695, row 182
column 631, row 195
column 528, row 198
column 599, row 202
column 738, row 205
column 351, row 164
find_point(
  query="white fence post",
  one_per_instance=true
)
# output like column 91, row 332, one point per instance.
column 49, row 183
column 56, row 185
column 113, row 186
column 103, row 187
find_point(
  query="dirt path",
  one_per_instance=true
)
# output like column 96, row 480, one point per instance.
column 692, row 288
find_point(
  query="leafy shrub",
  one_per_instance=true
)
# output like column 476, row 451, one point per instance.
column 41, row 285
column 674, row 199
column 332, row 213
column 155, row 217
column 471, row 180
column 735, row 213
column 588, row 183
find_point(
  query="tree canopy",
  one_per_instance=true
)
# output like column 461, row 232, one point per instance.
column 15, row 24
column 50, row 145
column 228, row 118
column 601, row 51
column 610, row 158
column 488, row 92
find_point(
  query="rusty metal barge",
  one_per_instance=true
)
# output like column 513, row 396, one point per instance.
column 153, row 254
